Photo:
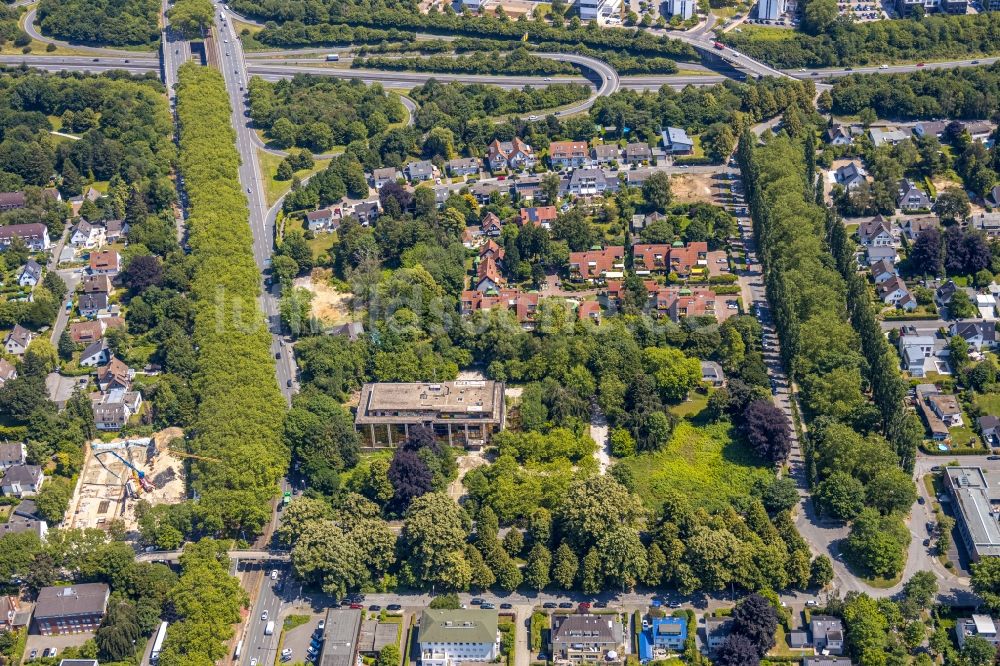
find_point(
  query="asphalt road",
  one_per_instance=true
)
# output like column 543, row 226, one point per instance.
column 234, row 70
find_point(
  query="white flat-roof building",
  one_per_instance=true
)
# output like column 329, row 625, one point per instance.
column 977, row 625
column 683, row 8
column 977, row 523
column 770, row 9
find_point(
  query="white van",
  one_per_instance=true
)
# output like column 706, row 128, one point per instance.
column 269, row 628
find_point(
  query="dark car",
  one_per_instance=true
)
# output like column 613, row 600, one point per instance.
column 566, row 604
column 487, row 606
column 600, row 604
column 374, row 607
column 921, row 500
column 506, row 605
column 289, row 383
column 936, row 468
column 975, row 62
column 549, row 604
column 476, row 602
column 927, row 542
column 993, row 457
column 394, row 607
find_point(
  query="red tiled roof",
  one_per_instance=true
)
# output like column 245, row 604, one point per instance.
column 594, row 264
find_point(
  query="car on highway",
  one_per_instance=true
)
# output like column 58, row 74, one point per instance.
column 550, row 604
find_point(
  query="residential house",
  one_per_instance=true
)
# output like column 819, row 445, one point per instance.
column 597, row 265
column 589, row 181
column 22, row 480
column 352, row 330
column 564, row 154
column 24, row 518
column 981, row 131
column 115, row 375
column 717, row 630
column 31, row 274
column 97, row 353
column 980, row 625
column 712, row 374
column 17, row 340
column 538, row 216
column 912, row 226
column 827, row 634
column 382, row 176
column 979, row 334
column 35, row 235
column 492, row 249
column 488, row 275
column 987, row 223
column 12, row 453
column 90, row 305
column 993, row 198
column 523, row 306
column 92, row 284
column 514, row 155
column 944, row 293
column 883, row 136
column 589, row 311
column 323, row 219
column 649, row 258
column 463, row 166
column 989, row 427
column 910, row 197
column 114, row 230
column 638, row 153
column 490, row 224
column 88, row 235
column 70, row 609
column 662, row 634
column 367, row 212
column 838, row 135
column 484, row 190
column 883, row 270
column 605, row 154
column 11, row 200
column 677, row 142
column 877, row 253
column 7, row 371
column 113, row 409
column 876, row 232
column 528, row 188
column 919, row 354
column 947, row 409
column 419, row 171
column 455, row 637
column 636, row 177
column 105, row 262
column 894, row 292
column 934, row 128
column 851, row 175
column 689, row 259
column 586, row 638
column 680, row 302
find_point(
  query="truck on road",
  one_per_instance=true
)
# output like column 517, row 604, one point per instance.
column 332, row 57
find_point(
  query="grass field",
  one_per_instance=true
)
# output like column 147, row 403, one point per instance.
column 703, row 463
column 990, row 402
column 275, row 189
column 764, row 33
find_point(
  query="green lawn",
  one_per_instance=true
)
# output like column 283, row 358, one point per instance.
column 691, row 407
column 703, row 463
column 782, row 648
column 767, row 34
column 275, row 189
column 990, row 402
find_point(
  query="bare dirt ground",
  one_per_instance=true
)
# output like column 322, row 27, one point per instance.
column 692, row 187
column 329, row 305
column 467, row 462
column 101, row 494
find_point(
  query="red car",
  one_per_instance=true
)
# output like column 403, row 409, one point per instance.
column 718, row 45
column 920, row 64
column 584, row 605
column 356, row 606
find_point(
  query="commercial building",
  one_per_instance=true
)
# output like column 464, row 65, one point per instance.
column 770, row 9
column 453, row 637
column 683, row 8
column 462, row 413
column 340, row 637
column 70, row 610
column 977, row 625
column 977, row 523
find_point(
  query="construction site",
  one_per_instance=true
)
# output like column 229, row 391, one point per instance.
column 119, row 473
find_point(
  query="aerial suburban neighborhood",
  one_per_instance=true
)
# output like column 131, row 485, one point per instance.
column 453, row 332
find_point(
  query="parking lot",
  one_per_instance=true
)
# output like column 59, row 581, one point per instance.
column 298, row 639
column 862, row 11
column 39, row 643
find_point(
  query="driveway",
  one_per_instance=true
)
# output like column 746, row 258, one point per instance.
column 61, row 388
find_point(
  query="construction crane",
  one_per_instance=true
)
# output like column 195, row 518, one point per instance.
column 139, row 475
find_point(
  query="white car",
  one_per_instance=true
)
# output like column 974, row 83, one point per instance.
column 253, row 661
column 883, row 66
column 263, row 616
column 274, row 574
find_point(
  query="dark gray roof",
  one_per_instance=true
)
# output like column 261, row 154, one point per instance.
column 97, row 300
column 32, row 268
column 340, row 636
column 83, row 599
column 22, row 474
